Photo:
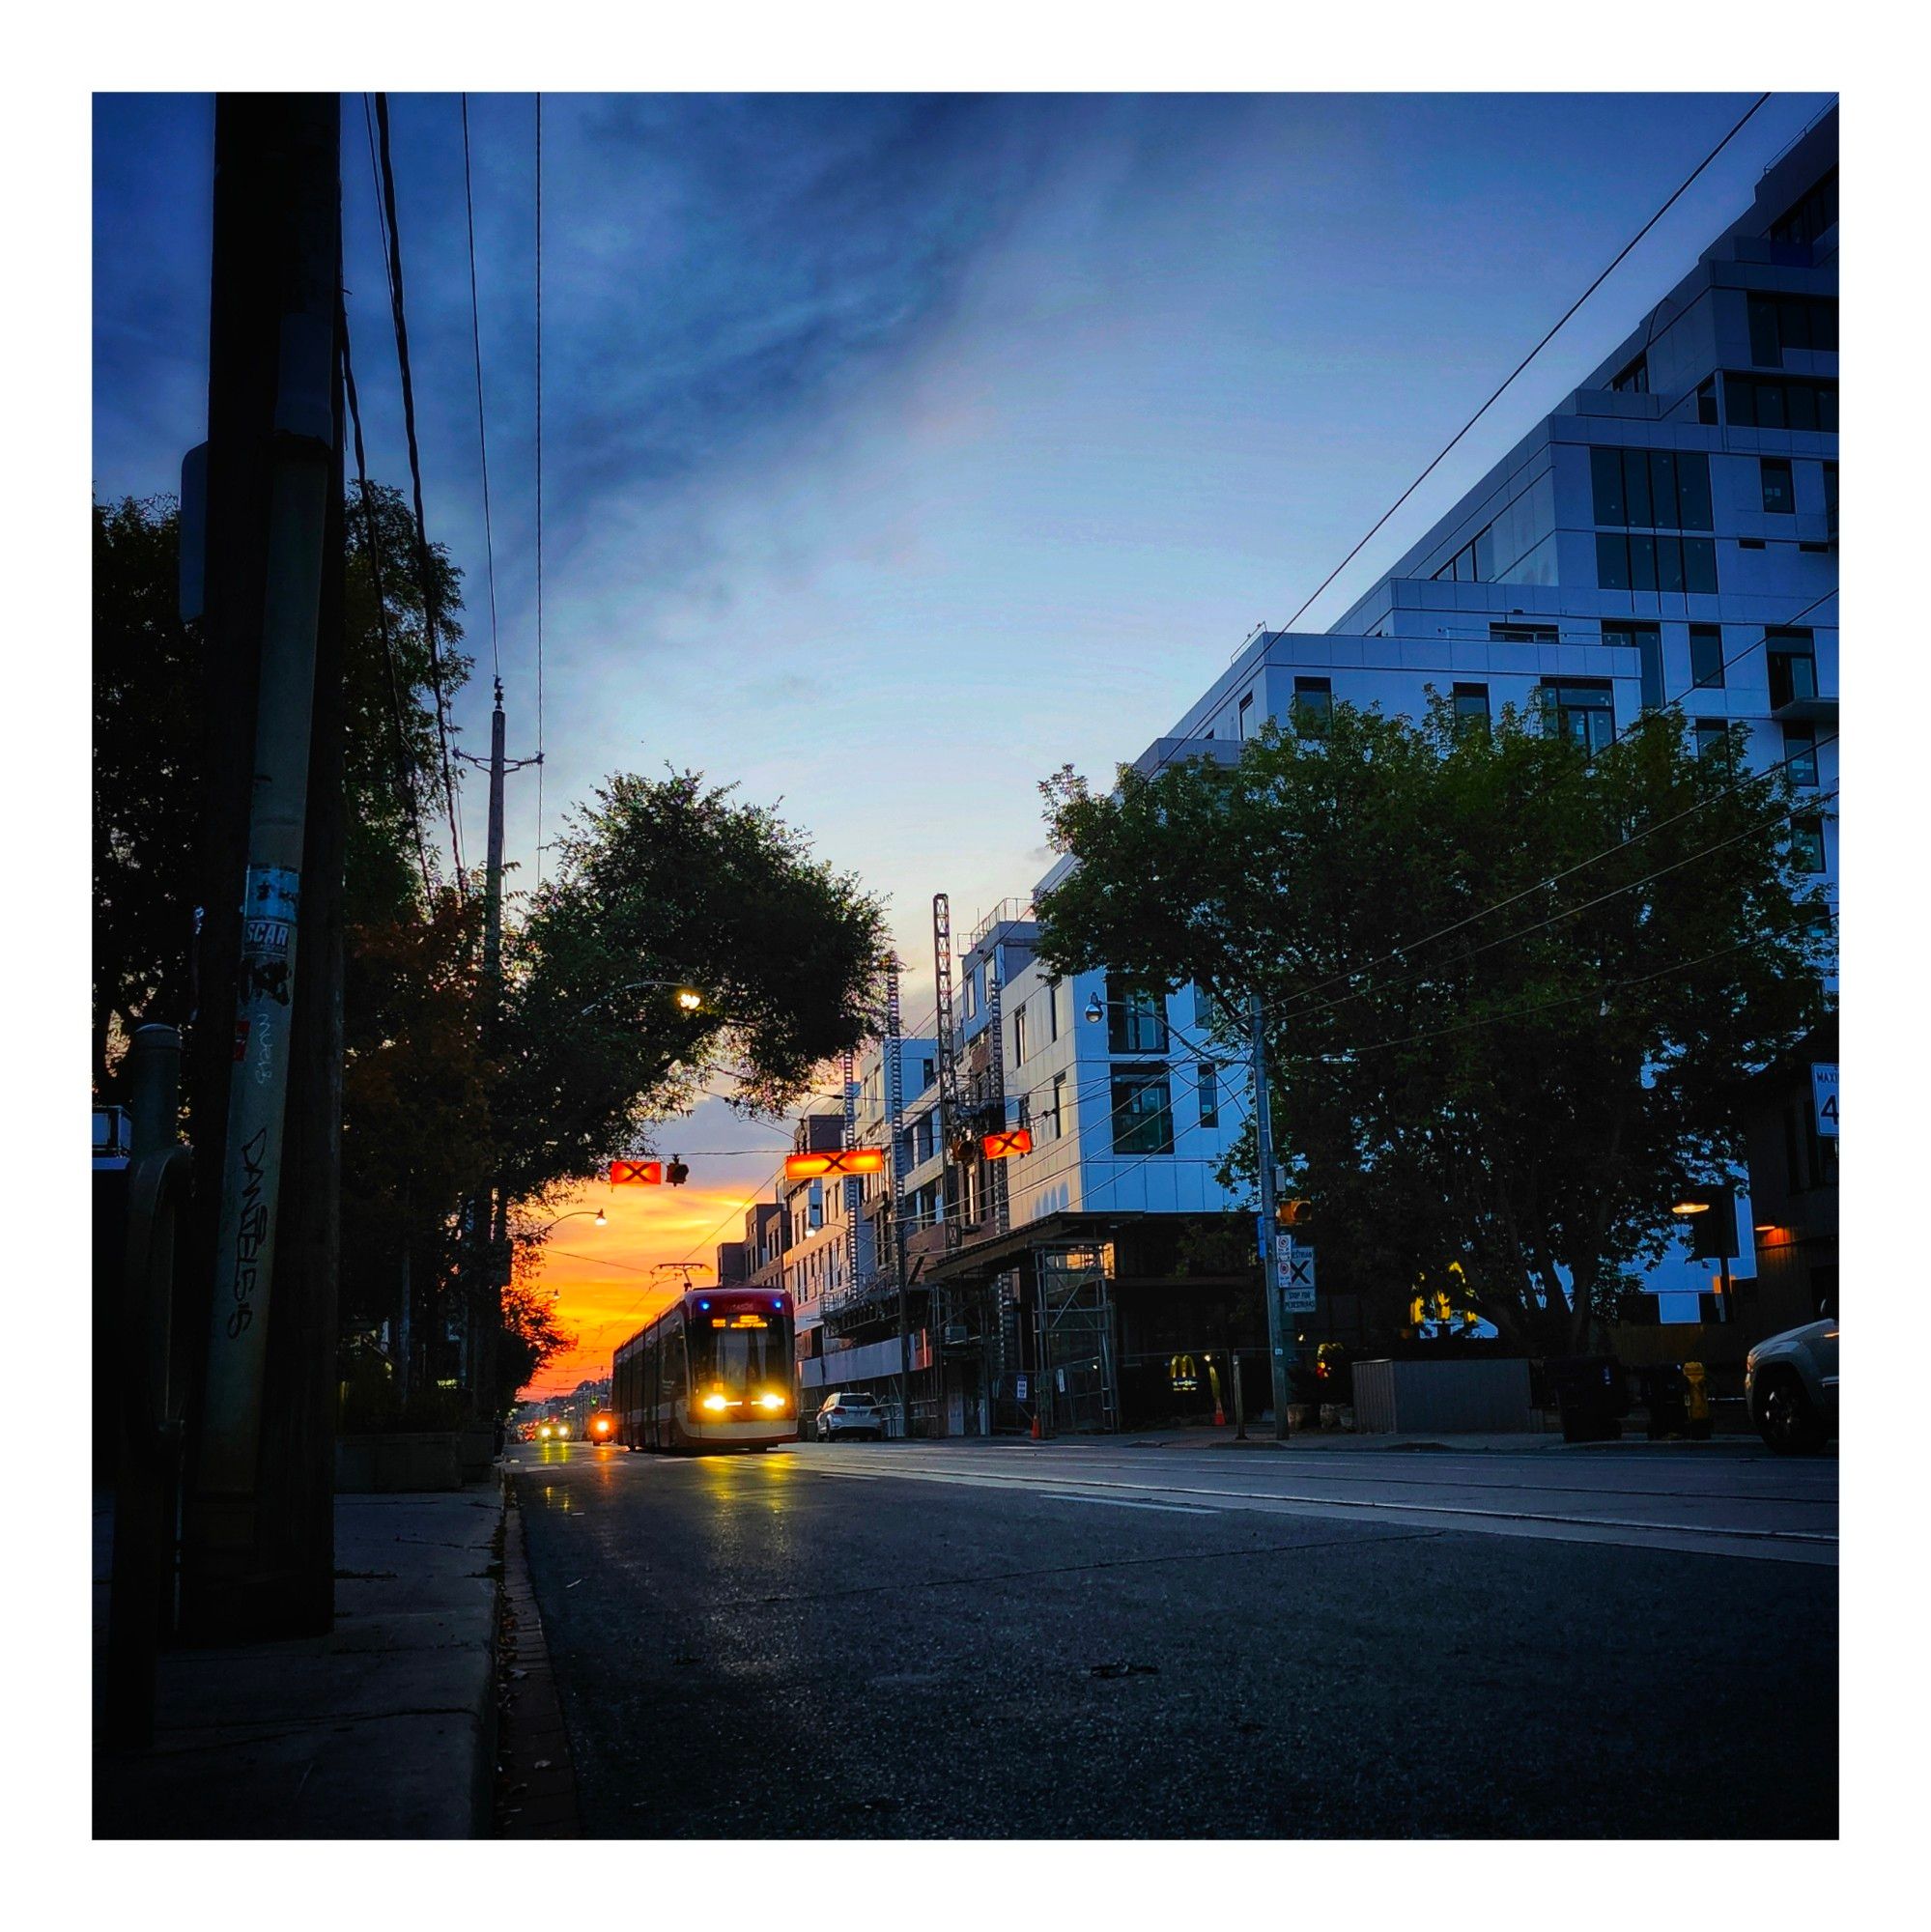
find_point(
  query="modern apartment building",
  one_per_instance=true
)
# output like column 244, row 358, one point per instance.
column 1667, row 533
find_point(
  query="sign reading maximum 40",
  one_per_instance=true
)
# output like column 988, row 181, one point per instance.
column 1824, row 1098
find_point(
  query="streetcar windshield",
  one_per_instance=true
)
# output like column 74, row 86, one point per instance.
column 745, row 1359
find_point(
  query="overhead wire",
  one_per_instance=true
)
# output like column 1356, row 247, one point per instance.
column 482, row 431
column 425, row 566
column 1635, row 723
column 408, row 779
column 1622, row 255
column 539, row 491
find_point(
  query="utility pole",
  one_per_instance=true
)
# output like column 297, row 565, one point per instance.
column 1281, row 1350
column 489, row 1213
column 258, row 1556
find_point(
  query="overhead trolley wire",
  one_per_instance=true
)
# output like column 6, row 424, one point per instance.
column 482, row 432
column 424, row 566
column 1620, row 255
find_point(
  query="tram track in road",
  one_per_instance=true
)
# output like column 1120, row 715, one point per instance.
column 1776, row 1544
column 999, row 1461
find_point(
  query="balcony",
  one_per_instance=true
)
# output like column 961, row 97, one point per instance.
column 1794, row 695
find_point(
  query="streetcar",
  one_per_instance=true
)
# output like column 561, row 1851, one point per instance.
column 714, row 1371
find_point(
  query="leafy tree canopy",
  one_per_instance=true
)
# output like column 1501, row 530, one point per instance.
column 676, row 881
column 1512, row 994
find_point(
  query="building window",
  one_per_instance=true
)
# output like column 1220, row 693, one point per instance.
column 1025, row 1120
column 1652, row 489
column 1019, row 1034
column 1143, row 1112
column 1136, row 1021
column 1779, row 498
column 1507, row 633
column 1643, row 562
column 1713, row 738
column 1581, row 710
column 1209, row 1093
column 1806, row 844
column 1053, row 1008
column 929, row 1071
column 1779, row 321
column 1314, row 706
column 1646, row 640
column 1633, row 381
column 1793, row 666
column 1706, row 401
column 1062, row 1007
column 1799, row 753
column 1761, row 402
column 970, row 995
column 1810, row 214
column 1246, row 706
column 1471, row 710
column 1059, row 1106
column 1706, row 655
column 1831, row 496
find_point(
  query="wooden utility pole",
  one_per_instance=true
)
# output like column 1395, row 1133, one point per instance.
column 258, row 1556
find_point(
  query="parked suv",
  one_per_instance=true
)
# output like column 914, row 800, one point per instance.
column 1790, row 1383
column 847, row 1414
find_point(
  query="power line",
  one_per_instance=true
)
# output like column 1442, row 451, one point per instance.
column 407, row 777
column 424, row 564
column 482, row 434
column 539, row 491
column 1675, row 703
column 1494, row 397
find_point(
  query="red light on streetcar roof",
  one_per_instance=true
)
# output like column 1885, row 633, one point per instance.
column 1003, row 1146
column 839, row 1161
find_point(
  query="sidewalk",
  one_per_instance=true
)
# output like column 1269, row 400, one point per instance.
column 386, row 1729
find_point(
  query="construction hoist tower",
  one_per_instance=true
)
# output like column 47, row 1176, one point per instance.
column 951, row 1110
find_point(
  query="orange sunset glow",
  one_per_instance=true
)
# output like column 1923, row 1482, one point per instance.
column 606, row 1290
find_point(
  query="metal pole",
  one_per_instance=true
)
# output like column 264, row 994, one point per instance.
column 303, row 428
column 1280, row 1338
column 1239, row 1406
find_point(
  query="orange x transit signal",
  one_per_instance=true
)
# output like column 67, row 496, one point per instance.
column 636, row 1174
column 840, row 1161
column 1003, row 1146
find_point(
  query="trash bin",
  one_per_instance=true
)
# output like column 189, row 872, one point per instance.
column 1663, row 1392
column 1590, row 1396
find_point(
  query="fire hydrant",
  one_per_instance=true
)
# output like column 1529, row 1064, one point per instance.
column 1696, row 1403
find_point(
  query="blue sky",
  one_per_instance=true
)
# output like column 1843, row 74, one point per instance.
column 901, row 449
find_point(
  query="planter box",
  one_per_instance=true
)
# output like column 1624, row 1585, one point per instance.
column 476, row 1452
column 388, row 1465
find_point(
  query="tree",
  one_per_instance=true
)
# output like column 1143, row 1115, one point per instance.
column 672, row 880
column 1512, row 993
column 148, row 753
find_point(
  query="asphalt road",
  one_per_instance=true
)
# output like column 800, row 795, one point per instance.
column 1099, row 1640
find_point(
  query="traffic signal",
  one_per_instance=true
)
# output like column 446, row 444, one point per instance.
column 1011, row 1141
column 837, row 1162
column 637, row 1172
column 676, row 1174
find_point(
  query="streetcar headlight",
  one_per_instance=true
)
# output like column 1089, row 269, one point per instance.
column 715, row 1402
column 769, row 1400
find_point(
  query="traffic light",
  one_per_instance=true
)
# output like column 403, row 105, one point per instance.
column 676, row 1174
column 637, row 1172
column 836, row 1161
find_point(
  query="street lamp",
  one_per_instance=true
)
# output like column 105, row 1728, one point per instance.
column 1095, row 1012
column 689, row 999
